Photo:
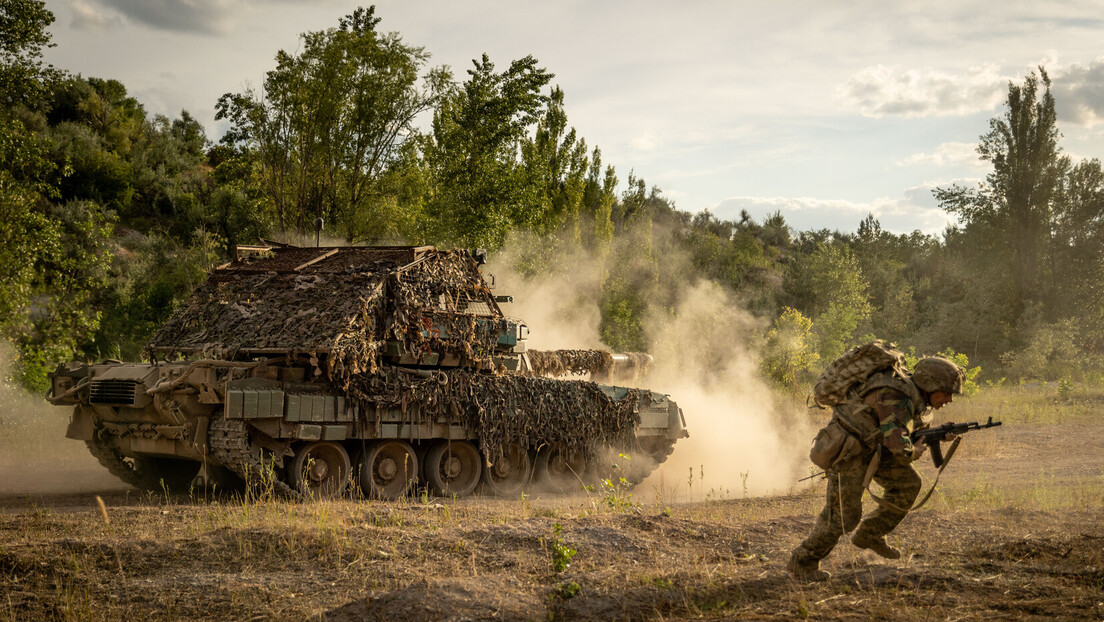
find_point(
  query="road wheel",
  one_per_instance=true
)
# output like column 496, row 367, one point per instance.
column 320, row 469
column 387, row 469
column 560, row 470
column 509, row 474
column 453, row 468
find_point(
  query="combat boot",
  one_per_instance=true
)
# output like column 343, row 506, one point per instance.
column 878, row 545
column 805, row 569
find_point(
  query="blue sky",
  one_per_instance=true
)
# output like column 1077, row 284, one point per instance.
column 824, row 111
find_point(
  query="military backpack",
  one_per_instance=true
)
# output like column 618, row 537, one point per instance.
column 849, row 370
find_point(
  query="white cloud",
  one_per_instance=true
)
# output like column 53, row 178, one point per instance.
column 881, row 91
column 916, row 211
column 1079, row 92
column 947, row 154
column 86, row 17
column 642, row 143
column 202, row 16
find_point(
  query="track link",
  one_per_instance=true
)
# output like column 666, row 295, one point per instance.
column 229, row 445
column 116, row 464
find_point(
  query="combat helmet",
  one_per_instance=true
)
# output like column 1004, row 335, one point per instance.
column 936, row 373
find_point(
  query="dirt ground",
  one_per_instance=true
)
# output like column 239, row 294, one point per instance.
column 1015, row 531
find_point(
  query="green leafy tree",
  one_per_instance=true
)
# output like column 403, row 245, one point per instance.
column 1017, row 200
column 69, row 276
column 144, row 290
column 599, row 195
column 828, row 285
column 556, row 164
column 789, row 353
column 331, row 119
column 26, row 231
column 23, row 36
column 479, row 186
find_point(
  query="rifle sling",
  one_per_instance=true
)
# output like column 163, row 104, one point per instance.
column 882, row 502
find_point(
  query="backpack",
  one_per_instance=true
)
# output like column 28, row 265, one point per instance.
column 852, row 368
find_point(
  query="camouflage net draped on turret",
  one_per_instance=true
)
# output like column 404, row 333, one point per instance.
column 273, row 312
column 502, row 410
column 343, row 303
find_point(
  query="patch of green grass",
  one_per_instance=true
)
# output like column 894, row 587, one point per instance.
column 1043, row 492
column 1029, row 403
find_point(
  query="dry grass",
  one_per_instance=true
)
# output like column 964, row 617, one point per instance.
column 1013, row 533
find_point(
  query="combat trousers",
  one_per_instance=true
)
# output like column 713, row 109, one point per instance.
column 843, row 505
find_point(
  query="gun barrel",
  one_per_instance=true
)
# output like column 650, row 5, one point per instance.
column 951, row 428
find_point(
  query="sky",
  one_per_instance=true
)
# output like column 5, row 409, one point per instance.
column 825, row 112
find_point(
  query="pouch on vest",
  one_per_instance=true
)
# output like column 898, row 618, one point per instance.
column 833, row 445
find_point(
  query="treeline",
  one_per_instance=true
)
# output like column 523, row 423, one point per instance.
column 110, row 216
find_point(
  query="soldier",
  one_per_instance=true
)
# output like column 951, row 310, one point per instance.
column 891, row 406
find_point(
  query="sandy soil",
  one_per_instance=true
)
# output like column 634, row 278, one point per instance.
column 1014, row 532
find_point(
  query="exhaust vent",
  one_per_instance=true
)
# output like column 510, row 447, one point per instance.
column 116, row 392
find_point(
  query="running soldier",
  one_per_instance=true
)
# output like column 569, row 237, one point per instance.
column 887, row 408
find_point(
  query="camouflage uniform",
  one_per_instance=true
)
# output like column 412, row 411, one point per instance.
column 888, row 409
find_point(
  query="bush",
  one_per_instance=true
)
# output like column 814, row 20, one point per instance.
column 789, row 353
column 1051, row 353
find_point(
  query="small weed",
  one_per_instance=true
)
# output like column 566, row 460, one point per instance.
column 566, row 590
column 561, row 553
column 1065, row 388
column 663, row 583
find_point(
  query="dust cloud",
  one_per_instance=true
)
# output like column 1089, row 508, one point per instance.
column 35, row 455
column 743, row 441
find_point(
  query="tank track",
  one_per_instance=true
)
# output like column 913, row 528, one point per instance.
column 117, row 465
column 229, row 445
column 658, row 456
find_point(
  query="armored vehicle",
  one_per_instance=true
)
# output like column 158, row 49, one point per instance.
column 377, row 368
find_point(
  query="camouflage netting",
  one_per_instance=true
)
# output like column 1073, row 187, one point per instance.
column 344, row 303
column 601, row 365
column 272, row 312
column 502, row 410
column 444, row 306
column 564, row 362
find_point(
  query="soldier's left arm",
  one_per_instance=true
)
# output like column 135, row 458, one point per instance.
column 896, row 419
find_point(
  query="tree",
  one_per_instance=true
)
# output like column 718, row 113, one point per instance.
column 1078, row 245
column 828, row 286
column 788, row 354
column 23, row 35
column 556, row 168
column 479, row 185
column 1016, row 201
column 331, row 119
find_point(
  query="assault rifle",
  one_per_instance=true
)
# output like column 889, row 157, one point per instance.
column 932, row 436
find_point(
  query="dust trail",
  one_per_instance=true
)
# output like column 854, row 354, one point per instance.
column 561, row 310
column 35, row 456
column 742, row 440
